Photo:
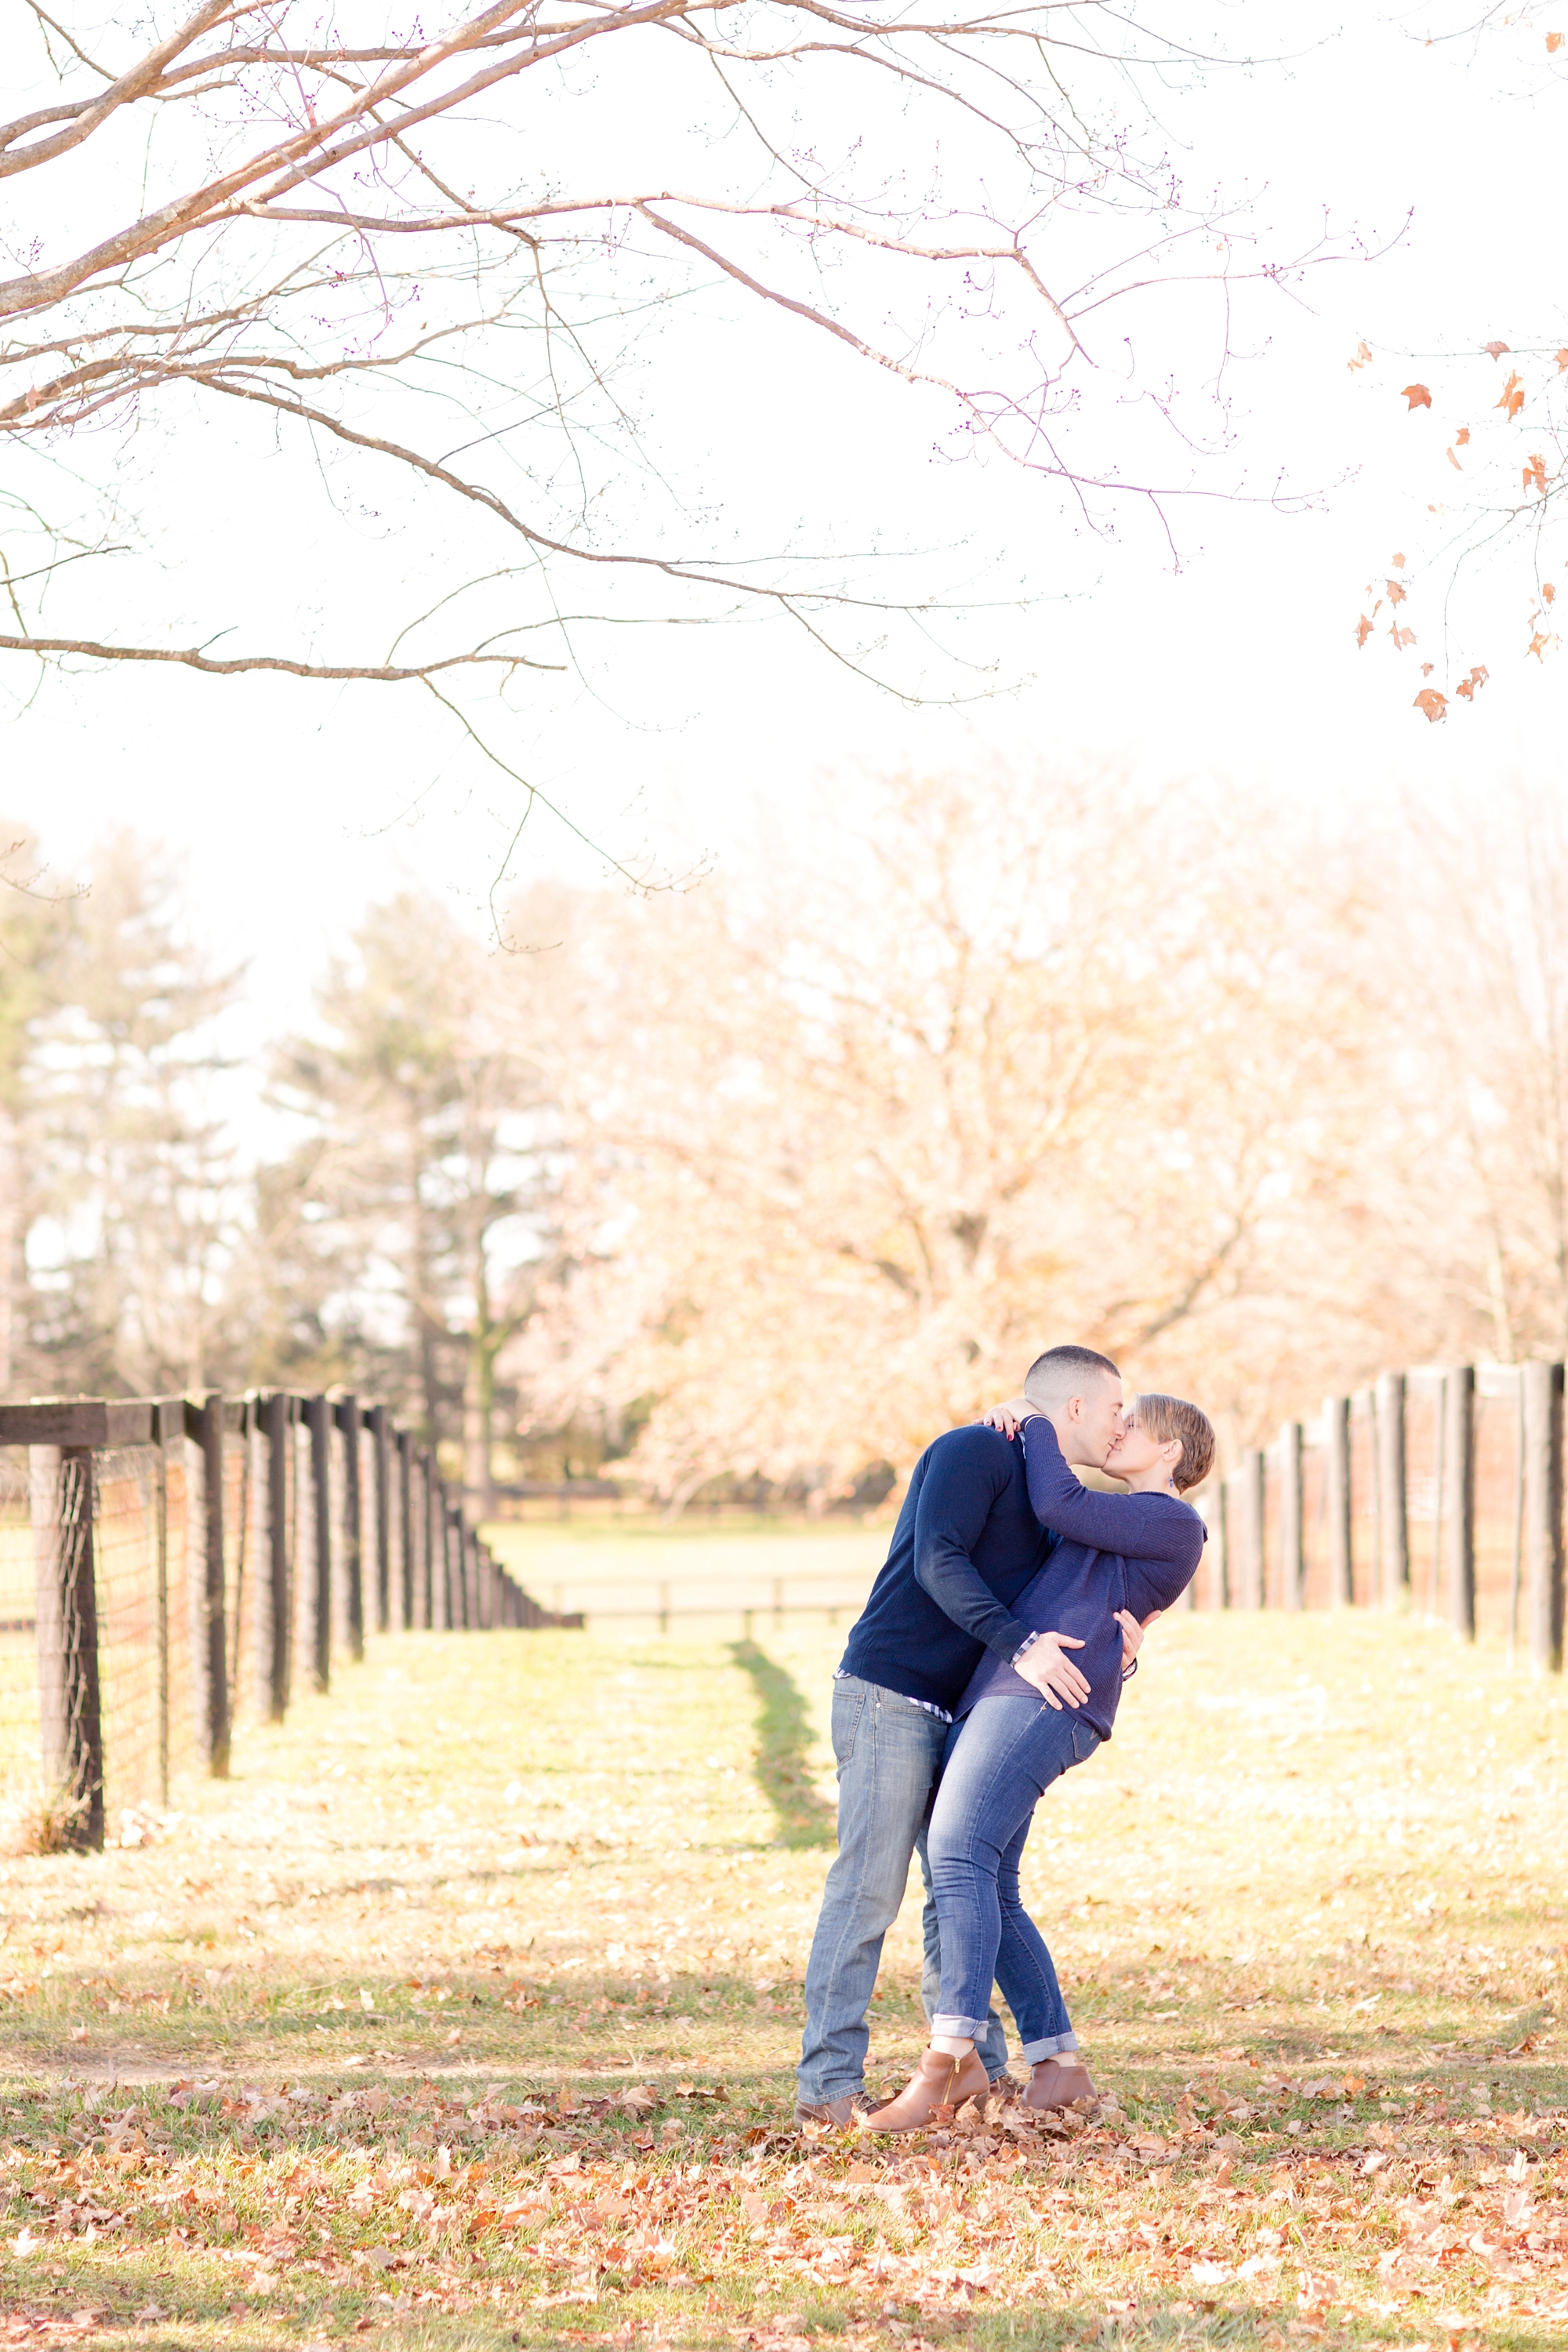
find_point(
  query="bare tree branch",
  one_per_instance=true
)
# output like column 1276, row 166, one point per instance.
column 193, row 657
column 833, row 193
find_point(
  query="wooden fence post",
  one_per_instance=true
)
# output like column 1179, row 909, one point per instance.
column 452, row 1555
column 440, row 1553
column 424, row 1557
column 1544, row 1512
column 273, row 1567
column 318, row 1421
column 348, row 1594
column 302, row 1541
column 434, row 1544
column 303, row 1446
column 459, row 1554
column 1292, row 1549
column 168, row 1428
column 445, row 1589
column 65, row 1618
column 414, row 1553
column 1250, row 1478
column 1393, row 1492
column 381, row 1440
column 1460, row 1516
column 1217, row 1549
column 1342, row 1567
column 204, row 1576
column 257, row 1491
column 400, row 1600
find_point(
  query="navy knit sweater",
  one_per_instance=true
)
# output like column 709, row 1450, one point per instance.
column 967, row 1545
column 1137, row 1552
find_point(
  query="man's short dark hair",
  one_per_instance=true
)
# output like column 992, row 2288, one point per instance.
column 1059, row 1363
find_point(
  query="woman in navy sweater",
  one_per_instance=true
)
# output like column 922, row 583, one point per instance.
column 1121, row 1557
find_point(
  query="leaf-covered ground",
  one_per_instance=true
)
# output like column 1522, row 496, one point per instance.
column 464, row 2015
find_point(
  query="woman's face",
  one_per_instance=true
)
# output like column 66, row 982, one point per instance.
column 1138, row 1451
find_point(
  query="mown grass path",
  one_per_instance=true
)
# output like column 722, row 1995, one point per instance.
column 465, row 2015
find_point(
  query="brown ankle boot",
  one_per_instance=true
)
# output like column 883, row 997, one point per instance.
column 936, row 2087
column 1057, row 2083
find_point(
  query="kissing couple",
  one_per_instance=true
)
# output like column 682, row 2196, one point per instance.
column 987, row 1661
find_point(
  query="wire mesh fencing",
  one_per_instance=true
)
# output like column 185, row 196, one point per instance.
column 171, row 1568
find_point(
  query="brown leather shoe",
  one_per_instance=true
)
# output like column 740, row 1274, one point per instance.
column 936, row 2087
column 1054, row 2083
column 841, row 2113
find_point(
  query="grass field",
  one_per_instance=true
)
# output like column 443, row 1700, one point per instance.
column 464, row 2015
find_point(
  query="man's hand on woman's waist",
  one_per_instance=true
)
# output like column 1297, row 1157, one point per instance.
column 1044, row 1664
column 1043, row 1661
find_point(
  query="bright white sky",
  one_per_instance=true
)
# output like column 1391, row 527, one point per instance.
column 291, row 802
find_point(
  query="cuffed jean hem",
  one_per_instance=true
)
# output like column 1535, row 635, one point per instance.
column 1059, row 2046
column 959, row 2029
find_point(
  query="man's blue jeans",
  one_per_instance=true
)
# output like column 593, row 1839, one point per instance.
column 1001, row 1759
column 890, row 1753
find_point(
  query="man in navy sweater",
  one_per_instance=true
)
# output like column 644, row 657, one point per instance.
column 967, row 1544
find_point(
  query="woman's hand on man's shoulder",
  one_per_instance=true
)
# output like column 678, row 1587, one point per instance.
column 1009, row 1418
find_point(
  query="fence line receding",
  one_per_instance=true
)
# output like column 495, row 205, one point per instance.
column 171, row 1566
column 1440, row 1488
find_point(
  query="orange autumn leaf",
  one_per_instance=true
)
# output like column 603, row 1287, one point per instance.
column 1427, row 668
column 1433, row 704
column 1513, row 398
column 1548, row 594
column 1461, row 437
column 1417, row 395
column 1538, row 645
column 1536, row 472
column 1395, row 593
column 1562, row 358
column 1454, row 463
column 1402, row 637
column 1398, row 562
column 1362, row 353
column 1467, row 687
column 1553, row 43
column 1362, row 630
column 1494, row 350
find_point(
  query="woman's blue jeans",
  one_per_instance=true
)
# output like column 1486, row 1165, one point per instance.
column 999, row 1760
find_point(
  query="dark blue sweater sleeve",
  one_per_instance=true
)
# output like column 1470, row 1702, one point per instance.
column 1139, row 1526
column 1160, row 1583
column 962, row 1480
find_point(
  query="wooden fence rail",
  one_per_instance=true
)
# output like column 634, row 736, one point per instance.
column 1440, row 1488
column 294, row 1518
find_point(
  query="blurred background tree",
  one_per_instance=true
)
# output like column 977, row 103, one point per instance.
column 752, row 1189
column 423, row 1185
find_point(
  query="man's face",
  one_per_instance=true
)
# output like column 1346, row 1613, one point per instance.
column 1093, row 1425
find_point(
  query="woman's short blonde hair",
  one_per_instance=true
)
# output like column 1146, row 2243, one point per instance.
column 1165, row 1417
